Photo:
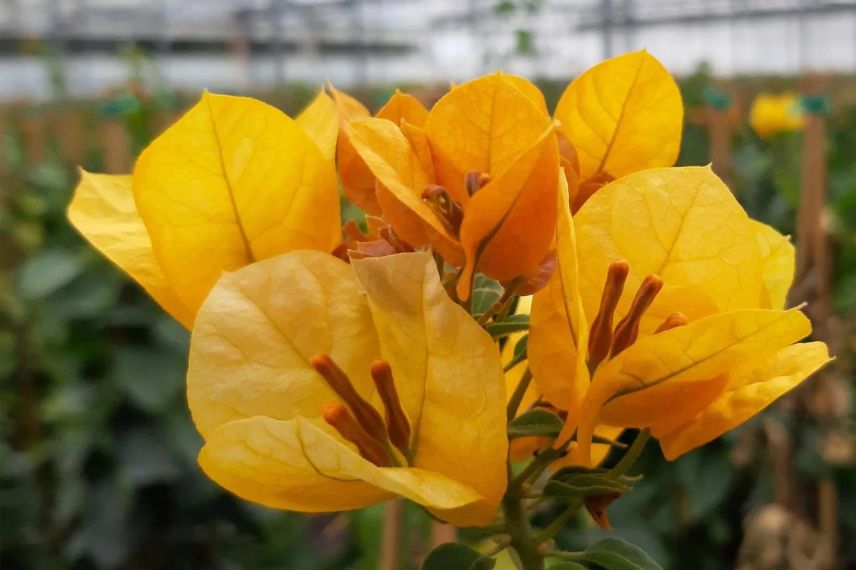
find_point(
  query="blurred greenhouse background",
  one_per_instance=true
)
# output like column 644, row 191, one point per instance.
column 97, row 460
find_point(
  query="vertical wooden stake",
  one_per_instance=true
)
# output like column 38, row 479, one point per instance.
column 390, row 542
column 719, row 130
column 442, row 533
column 814, row 274
column 33, row 136
column 116, row 146
column 70, row 135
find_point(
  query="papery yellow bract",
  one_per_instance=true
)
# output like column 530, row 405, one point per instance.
column 725, row 273
column 320, row 120
column 772, row 114
column 358, row 183
column 493, row 127
column 204, row 198
column 256, row 400
column 103, row 210
column 621, row 116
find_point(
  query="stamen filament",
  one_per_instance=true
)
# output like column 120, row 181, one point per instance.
column 398, row 427
column 349, row 428
column 601, row 328
column 365, row 414
column 628, row 328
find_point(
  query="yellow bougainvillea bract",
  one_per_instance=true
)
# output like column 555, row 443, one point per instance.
column 734, row 352
column 257, row 401
column 206, row 197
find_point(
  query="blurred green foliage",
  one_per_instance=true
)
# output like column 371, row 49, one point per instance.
column 98, row 450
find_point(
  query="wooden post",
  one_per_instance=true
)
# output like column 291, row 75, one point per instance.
column 390, row 542
column 813, row 276
column 116, row 146
column 442, row 533
column 718, row 118
column 32, row 128
column 69, row 129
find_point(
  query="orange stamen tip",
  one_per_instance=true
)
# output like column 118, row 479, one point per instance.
column 619, row 269
column 333, row 413
column 651, row 284
column 475, row 181
column 672, row 321
column 380, row 369
column 434, row 192
column 322, row 361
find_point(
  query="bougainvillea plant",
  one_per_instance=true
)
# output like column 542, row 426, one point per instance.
column 522, row 288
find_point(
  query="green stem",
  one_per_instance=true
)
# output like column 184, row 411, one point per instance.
column 629, row 458
column 517, row 395
column 535, row 468
column 560, row 521
column 625, row 463
column 529, row 557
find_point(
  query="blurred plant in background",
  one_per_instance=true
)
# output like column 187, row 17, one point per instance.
column 98, row 451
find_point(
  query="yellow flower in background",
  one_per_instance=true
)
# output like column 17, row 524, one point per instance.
column 666, row 312
column 621, row 116
column 286, row 385
column 477, row 182
column 772, row 114
column 233, row 181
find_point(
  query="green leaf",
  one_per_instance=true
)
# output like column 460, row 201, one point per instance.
column 454, row 556
column 47, row 272
column 535, row 423
column 584, row 485
column 486, row 292
column 151, row 379
column 567, row 566
column 617, row 554
column 510, row 325
column 520, row 352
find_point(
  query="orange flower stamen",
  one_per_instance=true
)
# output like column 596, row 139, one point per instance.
column 601, row 328
column 672, row 321
column 349, row 428
column 365, row 414
column 628, row 328
column 398, row 427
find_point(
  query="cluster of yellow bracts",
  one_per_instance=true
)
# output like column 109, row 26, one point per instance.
column 303, row 334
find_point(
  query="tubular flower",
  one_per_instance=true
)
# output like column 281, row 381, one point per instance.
column 203, row 198
column 667, row 312
column 524, row 447
column 773, row 114
column 621, row 116
column 348, row 387
column 477, row 182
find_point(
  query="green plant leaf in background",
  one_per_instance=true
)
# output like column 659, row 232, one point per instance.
column 454, row 556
